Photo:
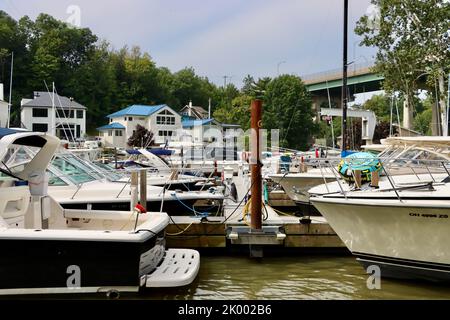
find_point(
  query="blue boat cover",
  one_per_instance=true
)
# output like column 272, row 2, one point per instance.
column 157, row 152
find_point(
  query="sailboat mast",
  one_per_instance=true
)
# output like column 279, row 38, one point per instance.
column 10, row 89
column 344, row 80
column 53, row 124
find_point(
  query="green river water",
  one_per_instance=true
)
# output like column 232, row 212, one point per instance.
column 294, row 278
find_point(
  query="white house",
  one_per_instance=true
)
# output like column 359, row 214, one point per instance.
column 3, row 109
column 197, row 130
column 161, row 120
column 70, row 117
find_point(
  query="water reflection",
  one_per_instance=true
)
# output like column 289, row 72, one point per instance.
column 293, row 278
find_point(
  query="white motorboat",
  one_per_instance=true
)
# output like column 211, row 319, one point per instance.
column 71, row 251
column 79, row 184
column 404, row 225
column 296, row 185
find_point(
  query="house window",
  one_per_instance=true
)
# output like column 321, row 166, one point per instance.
column 118, row 133
column 110, row 133
column 40, row 113
column 142, row 118
column 130, row 118
column 61, row 113
column 80, row 114
column 40, row 127
column 165, row 133
column 165, row 117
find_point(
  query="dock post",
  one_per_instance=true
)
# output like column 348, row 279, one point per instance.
column 143, row 188
column 358, row 179
column 256, row 184
column 375, row 179
column 134, row 189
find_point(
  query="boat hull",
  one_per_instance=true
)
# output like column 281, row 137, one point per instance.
column 33, row 266
column 406, row 240
column 181, row 207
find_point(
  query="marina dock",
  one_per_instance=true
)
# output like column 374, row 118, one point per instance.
column 230, row 231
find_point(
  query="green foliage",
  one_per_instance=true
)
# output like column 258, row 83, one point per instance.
column 422, row 122
column 381, row 105
column 288, row 108
column 238, row 113
column 97, row 76
column 412, row 40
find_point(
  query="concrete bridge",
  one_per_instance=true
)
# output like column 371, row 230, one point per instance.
column 360, row 79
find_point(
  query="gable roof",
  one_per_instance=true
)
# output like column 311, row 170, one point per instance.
column 114, row 125
column 199, row 112
column 137, row 110
column 44, row 99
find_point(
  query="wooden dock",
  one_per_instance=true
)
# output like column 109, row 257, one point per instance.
column 283, row 230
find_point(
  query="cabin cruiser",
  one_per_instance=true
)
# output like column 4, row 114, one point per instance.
column 161, row 173
column 72, row 251
column 79, row 184
column 207, row 160
column 315, row 172
column 311, row 172
column 403, row 226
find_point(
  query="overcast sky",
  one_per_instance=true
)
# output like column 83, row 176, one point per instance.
column 220, row 37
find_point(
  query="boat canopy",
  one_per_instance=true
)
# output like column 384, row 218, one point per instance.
column 48, row 144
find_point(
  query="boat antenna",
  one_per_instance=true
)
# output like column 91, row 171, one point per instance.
column 344, row 80
column 398, row 117
column 391, row 115
column 448, row 103
column 53, row 110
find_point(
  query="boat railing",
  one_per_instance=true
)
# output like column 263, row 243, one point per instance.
column 385, row 167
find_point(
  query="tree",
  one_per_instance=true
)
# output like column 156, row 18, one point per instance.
column 288, row 108
column 141, row 138
column 237, row 113
column 381, row 105
column 187, row 86
column 412, row 40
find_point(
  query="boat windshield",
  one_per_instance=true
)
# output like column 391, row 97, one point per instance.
column 415, row 156
column 109, row 172
column 74, row 169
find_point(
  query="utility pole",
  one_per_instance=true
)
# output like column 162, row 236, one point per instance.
column 344, row 80
column 225, row 80
column 278, row 66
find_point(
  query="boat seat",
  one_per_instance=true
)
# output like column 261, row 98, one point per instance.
column 14, row 201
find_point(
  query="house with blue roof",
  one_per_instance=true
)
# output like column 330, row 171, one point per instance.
column 162, row 120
